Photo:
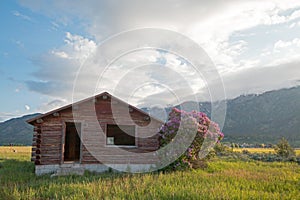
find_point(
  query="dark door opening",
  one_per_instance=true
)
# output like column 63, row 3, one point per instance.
column 72, row 142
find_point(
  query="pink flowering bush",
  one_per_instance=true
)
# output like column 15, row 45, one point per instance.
column 190, row 132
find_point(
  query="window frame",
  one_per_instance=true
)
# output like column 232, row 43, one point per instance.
column 122, row 146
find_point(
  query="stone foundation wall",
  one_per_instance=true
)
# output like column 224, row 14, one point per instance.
column 65, row 169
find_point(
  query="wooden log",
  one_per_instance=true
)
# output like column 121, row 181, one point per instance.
column 39, row 121
column 50, row 141
column 37, row 162
column 52, row 127
column 52, row 151
column 56, row 114
column 36, row 128
column 51, row 162
column 50, row 157
column 51, row 147
column 57, row 144
column 55, row 122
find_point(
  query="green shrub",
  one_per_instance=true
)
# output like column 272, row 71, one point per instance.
column 284, row 149
column 245, row 151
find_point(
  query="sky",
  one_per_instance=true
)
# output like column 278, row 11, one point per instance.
column 48, row 50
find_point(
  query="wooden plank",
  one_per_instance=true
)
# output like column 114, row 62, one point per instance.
column 52, row 130
column 43, row 149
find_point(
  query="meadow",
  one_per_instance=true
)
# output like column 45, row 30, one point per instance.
column 222, row 179
column 261, row 150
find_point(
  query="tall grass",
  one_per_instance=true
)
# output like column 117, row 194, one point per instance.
column 221, row 180
column 261, row 150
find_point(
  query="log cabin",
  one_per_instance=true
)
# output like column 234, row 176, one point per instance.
column 96, row 134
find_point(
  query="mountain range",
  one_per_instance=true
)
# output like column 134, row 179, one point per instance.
column 264, row 118
column 16, row 131
column 254, row 119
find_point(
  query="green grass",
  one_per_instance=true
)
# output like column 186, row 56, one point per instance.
column 221, row 180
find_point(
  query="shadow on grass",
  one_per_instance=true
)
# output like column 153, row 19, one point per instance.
column 18, row 180
column 22, row 172
column 11, row 169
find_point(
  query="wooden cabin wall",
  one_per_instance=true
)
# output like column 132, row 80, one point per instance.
column 48, row 134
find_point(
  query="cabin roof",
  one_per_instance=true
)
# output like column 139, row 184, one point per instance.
column 32, row 120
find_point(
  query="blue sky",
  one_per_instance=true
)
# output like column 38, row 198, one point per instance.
column 25, row 35
column 254, row 45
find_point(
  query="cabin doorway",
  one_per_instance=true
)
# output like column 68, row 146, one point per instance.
column 72, row 142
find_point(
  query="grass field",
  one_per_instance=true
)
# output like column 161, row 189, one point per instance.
column 260, row 150
column 221, row 180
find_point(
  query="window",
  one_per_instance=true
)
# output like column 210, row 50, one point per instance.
column 122, row 135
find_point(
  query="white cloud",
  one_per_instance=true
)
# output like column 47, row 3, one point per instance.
column 51, row 104
column 19, row 43
column 54, row 25
column 5, row 116
column 285, row 44
column 258, row 80
column 214, row 32
column 27, row 107
column 76, row 47
column 294, row 15
column 285, row 51
column 60, row 54
column 129, row 73
column 57, row 69
column 217, row 26
column 22, row 16
column 209, row 23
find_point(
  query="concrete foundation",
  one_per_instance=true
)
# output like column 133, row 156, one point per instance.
column 76, row 168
